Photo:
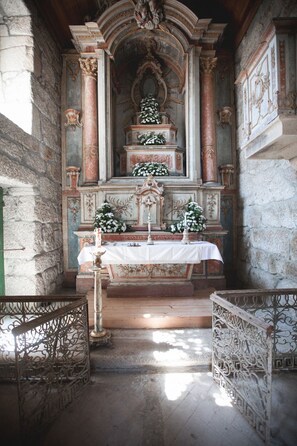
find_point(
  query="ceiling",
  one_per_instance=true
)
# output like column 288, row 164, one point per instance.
column 59, row 14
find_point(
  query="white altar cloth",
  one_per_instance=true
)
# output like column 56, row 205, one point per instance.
column 161, row 252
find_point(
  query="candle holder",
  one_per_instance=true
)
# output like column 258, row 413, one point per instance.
column 149, row 237
column 185, row 239
column 98, row 336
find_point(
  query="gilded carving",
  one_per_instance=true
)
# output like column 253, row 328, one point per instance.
column 89, row 66
column 148, row 13
column 208, row 64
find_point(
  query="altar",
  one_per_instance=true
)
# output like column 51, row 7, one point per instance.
column 161, row 269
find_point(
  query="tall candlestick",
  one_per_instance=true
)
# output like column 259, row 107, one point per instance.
column 149, row 238
column 98, row 234
column 185, row 221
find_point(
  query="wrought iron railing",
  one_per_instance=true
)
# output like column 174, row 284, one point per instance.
column 45, row 349
column 254, row 333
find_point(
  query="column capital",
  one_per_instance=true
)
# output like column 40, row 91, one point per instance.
column 208, row 64
column 89, row 66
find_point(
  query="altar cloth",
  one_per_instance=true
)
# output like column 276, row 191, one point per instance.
column 158, row 253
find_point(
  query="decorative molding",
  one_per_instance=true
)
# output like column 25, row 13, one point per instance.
column 73, row 204
column 122, row 207
column 73, row 175
column 72, row 67
column 226, row 172
column 212, row 205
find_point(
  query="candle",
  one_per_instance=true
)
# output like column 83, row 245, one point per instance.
column 149, row 221
column 185, row 221
column 98, row 234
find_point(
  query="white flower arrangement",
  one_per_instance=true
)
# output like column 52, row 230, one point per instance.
column 193, row 219
column 149, row 110
column 151, row 138
column 107, row 221
column 146, row 169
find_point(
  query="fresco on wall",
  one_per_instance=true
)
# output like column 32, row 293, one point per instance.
column 73, row 222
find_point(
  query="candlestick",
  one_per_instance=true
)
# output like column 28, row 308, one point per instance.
column 149, row 238
column 98, row 234
column 185, row 220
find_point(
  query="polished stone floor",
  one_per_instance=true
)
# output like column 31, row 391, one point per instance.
column 154, row 388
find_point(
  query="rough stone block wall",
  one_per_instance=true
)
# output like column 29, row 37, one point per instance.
column 267, row 223
column 30, row 164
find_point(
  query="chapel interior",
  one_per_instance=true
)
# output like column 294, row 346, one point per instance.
column 73, row 78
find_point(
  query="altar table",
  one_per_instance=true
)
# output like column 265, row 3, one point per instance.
column 162, row 269
column 159, row 253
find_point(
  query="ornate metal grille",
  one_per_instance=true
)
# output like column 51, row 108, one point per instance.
column 254, row 333
column 45, row 348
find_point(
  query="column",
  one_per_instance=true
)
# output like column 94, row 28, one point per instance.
column 208, row 137
column 90, row 132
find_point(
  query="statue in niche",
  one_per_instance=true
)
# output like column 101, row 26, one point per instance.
column 148, row 13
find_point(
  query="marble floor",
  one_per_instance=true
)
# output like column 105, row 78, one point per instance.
column 146, row 390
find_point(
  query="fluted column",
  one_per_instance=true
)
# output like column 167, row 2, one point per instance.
column 90, row 132
column 208, row 137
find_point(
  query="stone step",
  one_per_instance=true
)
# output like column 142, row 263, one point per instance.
column 154, row 351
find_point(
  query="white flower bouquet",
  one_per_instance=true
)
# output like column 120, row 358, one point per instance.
column 146, row 169
column 151, row 138
column 193, row 219
column 107, row 221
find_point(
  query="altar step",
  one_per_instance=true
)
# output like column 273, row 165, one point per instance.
column 165, row 312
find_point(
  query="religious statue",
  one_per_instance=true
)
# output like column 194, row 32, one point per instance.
column 148, row 13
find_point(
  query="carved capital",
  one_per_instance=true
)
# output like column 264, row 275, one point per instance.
column 89, row 66
column 208, row 64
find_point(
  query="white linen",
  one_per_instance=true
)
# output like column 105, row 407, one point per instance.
column 161, row 252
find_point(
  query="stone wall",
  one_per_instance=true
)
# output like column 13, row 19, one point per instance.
column 30, row 164
column 267, row 223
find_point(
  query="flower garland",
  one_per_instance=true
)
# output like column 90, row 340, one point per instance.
column 107, row 221
column 193, row 219
column 151, row 138
column 149, row 110
column 145, row 169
